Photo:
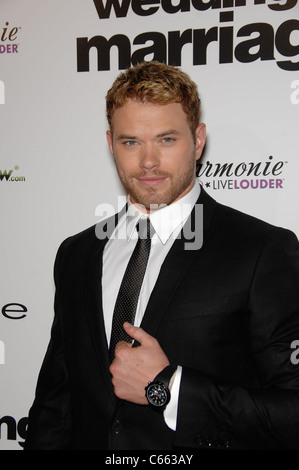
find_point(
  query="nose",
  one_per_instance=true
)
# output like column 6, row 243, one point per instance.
column 149, row 157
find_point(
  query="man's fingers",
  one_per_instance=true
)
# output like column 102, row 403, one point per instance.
column 137, row 333
column 121, row 350
column 122, row 344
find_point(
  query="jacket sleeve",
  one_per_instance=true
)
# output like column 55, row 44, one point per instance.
column 212, row 413
column 49, row 426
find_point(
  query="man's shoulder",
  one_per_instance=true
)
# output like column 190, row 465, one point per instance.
column 82, row 237
column 238, row 224
column 243, row 219
column 241, row 226
column 94, row 234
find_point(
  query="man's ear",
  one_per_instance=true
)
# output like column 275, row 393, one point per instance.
column 200, row 135
column 109, row 140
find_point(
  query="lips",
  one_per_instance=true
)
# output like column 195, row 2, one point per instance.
column 151, row 180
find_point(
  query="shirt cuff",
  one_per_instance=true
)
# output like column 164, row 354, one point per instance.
column 170, row 412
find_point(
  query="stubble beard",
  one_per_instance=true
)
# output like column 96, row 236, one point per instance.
column 153, row 197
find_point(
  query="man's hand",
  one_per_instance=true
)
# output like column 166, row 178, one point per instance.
column 132, row 368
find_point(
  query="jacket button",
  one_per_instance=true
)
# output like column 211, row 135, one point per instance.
column 117, row 426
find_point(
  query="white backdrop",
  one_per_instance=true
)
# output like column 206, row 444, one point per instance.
column 55, row 168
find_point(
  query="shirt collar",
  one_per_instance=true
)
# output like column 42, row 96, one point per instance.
column 165, row 220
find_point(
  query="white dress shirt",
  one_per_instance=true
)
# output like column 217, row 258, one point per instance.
column 167, row 223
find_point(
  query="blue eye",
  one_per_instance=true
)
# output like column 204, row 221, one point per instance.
column 130, row 142
column 167, row 139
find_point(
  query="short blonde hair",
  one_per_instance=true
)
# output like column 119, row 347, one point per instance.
column 157, row 83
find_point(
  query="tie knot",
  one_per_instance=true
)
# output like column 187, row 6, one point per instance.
column 144, row 228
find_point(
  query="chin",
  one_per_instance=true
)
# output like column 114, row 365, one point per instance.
column 149, row 202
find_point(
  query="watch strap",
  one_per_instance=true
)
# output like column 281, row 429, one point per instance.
column 165, row 376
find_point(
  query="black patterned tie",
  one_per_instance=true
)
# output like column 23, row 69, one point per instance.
column 128, row 294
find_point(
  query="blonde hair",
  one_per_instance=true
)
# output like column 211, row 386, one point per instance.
column 157, row 83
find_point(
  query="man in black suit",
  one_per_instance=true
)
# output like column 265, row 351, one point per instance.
column 217, row 314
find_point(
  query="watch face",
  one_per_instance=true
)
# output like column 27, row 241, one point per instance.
column 157, row 394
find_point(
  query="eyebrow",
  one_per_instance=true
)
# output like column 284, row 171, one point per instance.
column 169, row 132
column 134, row 137
column 126, row 137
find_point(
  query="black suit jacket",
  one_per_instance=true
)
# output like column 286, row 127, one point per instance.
column 227, row 313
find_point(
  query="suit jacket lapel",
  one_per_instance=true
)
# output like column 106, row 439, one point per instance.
column 93, row 297
column 174, row 267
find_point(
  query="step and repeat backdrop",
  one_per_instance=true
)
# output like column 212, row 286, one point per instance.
column 57, row 61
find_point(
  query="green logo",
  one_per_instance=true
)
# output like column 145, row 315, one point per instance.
column 7, row 175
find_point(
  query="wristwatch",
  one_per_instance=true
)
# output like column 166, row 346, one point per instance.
column 157, row 392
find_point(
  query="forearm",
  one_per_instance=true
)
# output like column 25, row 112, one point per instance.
column 50, row 416
column 219, row 415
